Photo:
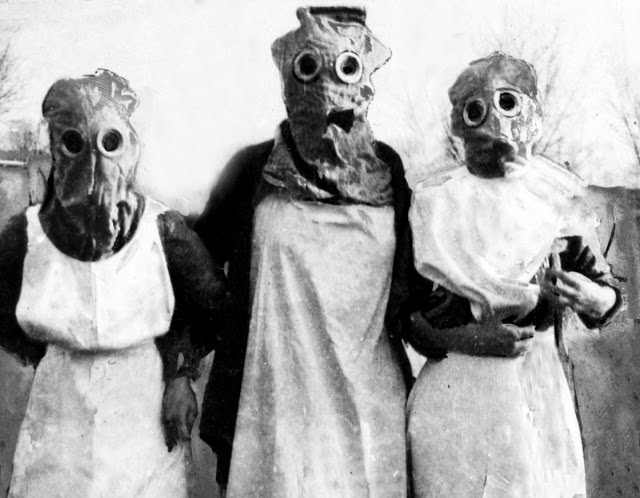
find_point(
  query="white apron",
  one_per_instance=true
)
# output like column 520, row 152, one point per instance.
column 490, row 427
column 322, row 406
column 92, row 428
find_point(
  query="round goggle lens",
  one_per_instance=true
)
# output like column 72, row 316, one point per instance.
column 72, row 141
column 507, row 102
column 349, row 67
column 474, row 112
column 306, row 66
column 111, row 141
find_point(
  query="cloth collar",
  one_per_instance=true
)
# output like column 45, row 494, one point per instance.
column 484, row 239
column 285, row 169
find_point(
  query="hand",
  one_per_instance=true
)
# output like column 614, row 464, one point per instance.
column 179, row 411
column 499, row 339
column 490, row 338
column 574, row 290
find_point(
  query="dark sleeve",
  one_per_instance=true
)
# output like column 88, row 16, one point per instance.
column 13, row 249
column 217, row 224
column 578, row 257
column 408, row 288
column 200, row 298
column 226, row 228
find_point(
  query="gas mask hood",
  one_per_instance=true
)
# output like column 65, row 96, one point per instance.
column 95, row 153
column 497, row 112
column 326, row 66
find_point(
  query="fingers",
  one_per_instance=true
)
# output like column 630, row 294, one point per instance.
column 184, row 430
column 525, row 333
column 571, row 279
column 562, row 291
column 187, row 419
column 418, row 321
column 177, row 426
column 561, row 302
column 522, row 347
column 519, row 333
column 420, row 329
column 170, row 433
column 562, row 296
column 520, row 340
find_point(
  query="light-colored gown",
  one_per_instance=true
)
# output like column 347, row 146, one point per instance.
column 322, row 406
column 92, row 428
column 489, row 427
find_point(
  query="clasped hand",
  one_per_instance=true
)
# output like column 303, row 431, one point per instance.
column 574, row 290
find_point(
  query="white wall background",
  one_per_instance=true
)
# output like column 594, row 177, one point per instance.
column 208, row 86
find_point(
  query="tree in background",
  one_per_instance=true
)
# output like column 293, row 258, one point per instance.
column 543, row 49
column 625, row 105
column 428, row 145
column 8, row 82
column 22, row 136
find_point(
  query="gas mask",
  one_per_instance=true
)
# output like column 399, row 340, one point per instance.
column 496, row 112
column 95, row 153
column 326, row 67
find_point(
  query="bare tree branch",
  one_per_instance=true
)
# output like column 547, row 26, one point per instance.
column 626, row 106
column 8, row 82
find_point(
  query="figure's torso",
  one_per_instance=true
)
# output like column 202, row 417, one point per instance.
column 114, row 303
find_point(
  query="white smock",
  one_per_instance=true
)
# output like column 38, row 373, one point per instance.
column 489, row 427
column 92, row 427
column 322, row 405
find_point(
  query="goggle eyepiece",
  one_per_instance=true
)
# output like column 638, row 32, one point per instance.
column 474, row 112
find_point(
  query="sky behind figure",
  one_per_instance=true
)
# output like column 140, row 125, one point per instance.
column 208, row 84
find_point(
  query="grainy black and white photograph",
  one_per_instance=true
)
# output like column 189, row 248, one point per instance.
column 325, row 249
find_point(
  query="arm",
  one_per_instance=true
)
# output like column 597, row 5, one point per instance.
column 219, row 229
column 200, row 293
column 202, row 255
column 481, row 339
column 584, row 284
column 201, row 302
column 407, row 287
column 217, row 224
column 13, row 249
column 443, row 322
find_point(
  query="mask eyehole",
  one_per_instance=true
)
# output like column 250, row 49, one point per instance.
column 306, row 66
column 110, row 142
column 507, row 102
column 474, row 112
column 72, row 142
column 349, row 67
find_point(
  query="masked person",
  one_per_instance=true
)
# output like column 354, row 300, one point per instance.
column 502, row 244
column 98, row 286
column 312, row 226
